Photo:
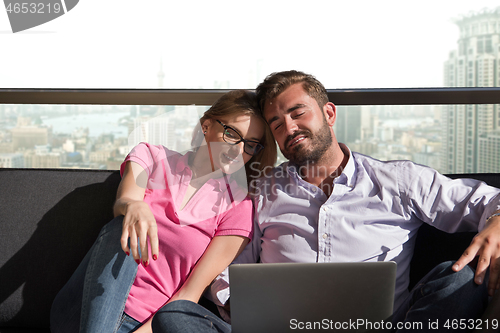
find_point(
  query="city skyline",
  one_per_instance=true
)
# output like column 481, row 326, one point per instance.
column 418, row 133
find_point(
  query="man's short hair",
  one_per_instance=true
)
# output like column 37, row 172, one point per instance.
column 275, row 83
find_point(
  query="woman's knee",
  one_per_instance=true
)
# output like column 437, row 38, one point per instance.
column 186, row 316
column 114, row 226
column 172, row 316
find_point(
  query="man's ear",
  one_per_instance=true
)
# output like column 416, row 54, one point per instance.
column 330, row 111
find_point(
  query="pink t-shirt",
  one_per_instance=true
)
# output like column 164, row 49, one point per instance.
column 217, row 208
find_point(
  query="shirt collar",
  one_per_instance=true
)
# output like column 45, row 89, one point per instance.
column 348, row 175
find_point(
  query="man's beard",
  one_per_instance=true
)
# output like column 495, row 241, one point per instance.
column 320, row 143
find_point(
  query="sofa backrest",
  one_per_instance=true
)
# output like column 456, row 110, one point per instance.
column 48, row 221
column 50, row 218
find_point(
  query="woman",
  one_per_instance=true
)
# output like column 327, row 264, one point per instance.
column 193, row 211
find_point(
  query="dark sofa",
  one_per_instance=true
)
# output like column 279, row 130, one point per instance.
column 50, row 218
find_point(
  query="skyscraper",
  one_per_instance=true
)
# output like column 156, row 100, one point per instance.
column 348, row 124
column 161, row 75
column 475, row 63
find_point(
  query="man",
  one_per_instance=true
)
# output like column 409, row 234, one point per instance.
column 330, row 204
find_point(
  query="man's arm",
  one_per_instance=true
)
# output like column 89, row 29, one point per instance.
column 457, row 205
column 486, row 246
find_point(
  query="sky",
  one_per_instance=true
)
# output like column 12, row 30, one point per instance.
column 235, row 44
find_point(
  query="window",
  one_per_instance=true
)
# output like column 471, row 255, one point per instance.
column 91, row 136
column 197, row 45
column 480, row 45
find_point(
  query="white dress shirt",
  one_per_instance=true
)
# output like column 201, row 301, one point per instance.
column 372, row 214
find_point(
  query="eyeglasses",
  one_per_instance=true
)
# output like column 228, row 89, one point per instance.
column 231, row 136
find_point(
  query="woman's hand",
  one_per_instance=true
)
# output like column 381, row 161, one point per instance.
column 139, row 223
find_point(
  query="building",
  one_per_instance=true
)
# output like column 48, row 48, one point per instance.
column 26, row 137
column 475, row 63
column 43, row 160
column 44, row 156
column 489, row 146
column 159, row 130
column 11, row 161
column 348, row 124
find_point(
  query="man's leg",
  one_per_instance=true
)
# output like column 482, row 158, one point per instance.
column 441, row 297
column 187, row 317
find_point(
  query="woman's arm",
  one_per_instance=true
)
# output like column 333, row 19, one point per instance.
column 221, row 251
column 138, row 221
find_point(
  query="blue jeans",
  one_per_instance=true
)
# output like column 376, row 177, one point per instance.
column 127, row 324
column 92, row 301
column 441, row 295
column 187, row 317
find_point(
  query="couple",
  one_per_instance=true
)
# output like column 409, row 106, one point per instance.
column 331, row 204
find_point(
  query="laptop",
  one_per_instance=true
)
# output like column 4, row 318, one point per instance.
column 290, row 297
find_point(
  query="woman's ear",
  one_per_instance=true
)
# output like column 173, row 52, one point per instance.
column 206, row 125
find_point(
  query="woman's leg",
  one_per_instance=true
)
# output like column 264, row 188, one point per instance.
column 187, row 317
column 67, row 305
column 127, row 324
column 94, row 298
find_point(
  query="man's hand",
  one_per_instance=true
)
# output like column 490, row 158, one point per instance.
column 485, row 246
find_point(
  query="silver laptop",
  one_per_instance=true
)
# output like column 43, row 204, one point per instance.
column 290, row 297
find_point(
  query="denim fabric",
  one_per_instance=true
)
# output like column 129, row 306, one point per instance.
column 442, row 297
column 127, row 324
column 92, row 301
column 187, row 317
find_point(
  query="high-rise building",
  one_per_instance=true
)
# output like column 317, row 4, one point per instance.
column 475, row 63
column 489, row 146
column 348, row 124
column 159, row 130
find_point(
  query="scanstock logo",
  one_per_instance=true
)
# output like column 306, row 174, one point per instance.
column 26, row 14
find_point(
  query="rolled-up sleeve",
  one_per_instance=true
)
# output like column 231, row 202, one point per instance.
column 451, row 205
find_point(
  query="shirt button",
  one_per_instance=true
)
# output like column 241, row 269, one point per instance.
column 325, row 236
column 325, row 208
